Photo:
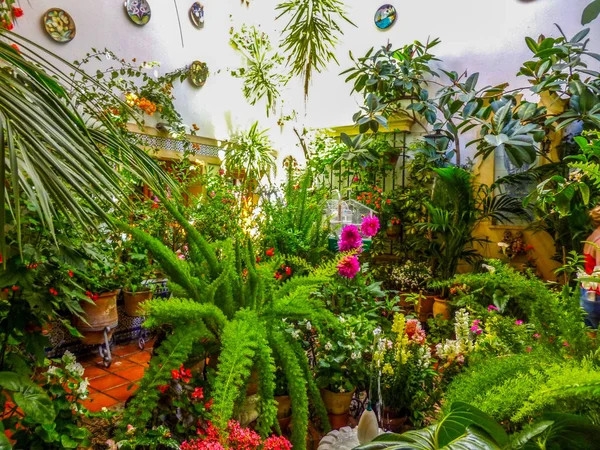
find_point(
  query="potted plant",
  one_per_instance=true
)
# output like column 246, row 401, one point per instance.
column 101, row 279
column 341, row 368
column 412, row 277
column 137, row 269
column 283, row 399
column 402, row 360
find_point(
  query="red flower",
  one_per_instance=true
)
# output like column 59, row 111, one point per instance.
column 257, row 259
column 182, row 374
column 163, row 388
column 1, row 260
column 175, row 374
column 70, row 273
column 88, row 294
column 288, row 271
column 155, row 206
column 15, row 288
column 270, row 252
column 18, row 12
column 198, row 393
column 9, row 26
column 277, row 275
column 53, row 291
column 95, row 297
column 277, row 443
column 208, row 404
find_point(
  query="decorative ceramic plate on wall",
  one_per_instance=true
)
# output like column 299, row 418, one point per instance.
column 198, row 73
column 59, row 25
column 197, row 14
column 138, row 11
column 385, row 17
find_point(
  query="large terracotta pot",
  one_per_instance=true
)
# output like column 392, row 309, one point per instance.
column 403, row 303
column 338, row 421
column 425, row 307
column 133, row 301
column 100, row 314
column 252, row 388
column 337, row 403
column 441, row 308
column 284, row 406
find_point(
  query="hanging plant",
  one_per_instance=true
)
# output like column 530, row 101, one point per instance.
column 8, row 13
column 311, row 34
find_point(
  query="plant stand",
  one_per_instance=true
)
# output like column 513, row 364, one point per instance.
column 104, row 348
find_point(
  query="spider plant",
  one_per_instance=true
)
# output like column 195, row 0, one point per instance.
column 59, row 160
column 311, row 34
column 249, row 155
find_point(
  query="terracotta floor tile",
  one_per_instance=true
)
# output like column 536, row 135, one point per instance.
column 122, row 393
column 92, row 372
column 97, row 401
column 132, row 373
column 107, row 382
column 126, row 350
column 120, row 364
column 140, row 358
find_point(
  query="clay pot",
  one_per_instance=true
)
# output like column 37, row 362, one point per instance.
column 337, row 403
column 99, row 314
column 284, row 406
column 441, row 308
column 338, row 421
column 133, row 300
column 392, row 420
column 425, row 307
column 252, row 388
column 403, row 303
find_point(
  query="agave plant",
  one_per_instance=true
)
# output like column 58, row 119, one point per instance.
column 53, row 156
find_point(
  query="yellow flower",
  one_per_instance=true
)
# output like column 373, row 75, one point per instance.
column 388, row 369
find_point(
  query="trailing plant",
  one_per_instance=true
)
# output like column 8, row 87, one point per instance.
column 311, row 34
column 236, row 305
column 249, row 155
column 263, row 75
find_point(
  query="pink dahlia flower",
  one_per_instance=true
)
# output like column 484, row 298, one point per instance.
column 350, row 239
column 348, row 266
column 370, row 226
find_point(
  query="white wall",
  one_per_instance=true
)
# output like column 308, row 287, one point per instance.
column 478, row 35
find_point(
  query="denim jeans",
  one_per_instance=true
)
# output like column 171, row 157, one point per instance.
column 591, row 308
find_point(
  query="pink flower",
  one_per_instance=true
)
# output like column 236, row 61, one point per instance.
column 479, row 331
column 476, row 322
column 348, row 267
column 350, row 239
column 370, row 226
column 198, row 393
column 536, row 336
column 277, row 443
column 474, row 328
column 492, row 308
column 528, row 349
column 355, row 179
column 565, row 344
column 518, row 322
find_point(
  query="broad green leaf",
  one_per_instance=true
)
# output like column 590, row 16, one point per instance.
column 590, row 12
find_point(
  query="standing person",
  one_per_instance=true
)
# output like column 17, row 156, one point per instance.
column 590, row 298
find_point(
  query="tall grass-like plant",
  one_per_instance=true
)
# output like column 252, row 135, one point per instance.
column 234, row 304
column 311, row 34
column 249, row 155
column 59, row 160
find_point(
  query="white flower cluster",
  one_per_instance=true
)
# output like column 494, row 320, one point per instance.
column 411, row 275
column 423, row 356
column 452, row 349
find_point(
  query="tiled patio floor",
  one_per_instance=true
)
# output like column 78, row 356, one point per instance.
column 111, row 387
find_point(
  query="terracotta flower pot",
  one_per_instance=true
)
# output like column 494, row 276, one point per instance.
column 252, row 388
column 425, row 307
column 441, row 308
column 392, row 420
column 100, row 314
column 284, row 406
column 338, row 421
column 403, row 303
column 337, row 403
column 133, row 301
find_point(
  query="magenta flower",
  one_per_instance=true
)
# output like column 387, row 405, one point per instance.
column 565, row 344
column 348, row 266
column 370, row 226
column 350, row 239
column 536, row 336
column 492, row 308
column 476, row 322
column 479, row 331
column 474, row 328
column 518, row 322
column 528, row 349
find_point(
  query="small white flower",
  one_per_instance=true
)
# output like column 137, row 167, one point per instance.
column 328, row 346
column 68, row 357
column 377, row 331
column 82, row 389
column 308, row 326
column 75, row 368
column 342, row 390
column 355, row 355
column 295, row 334
column 342, row 320
column 503, row 245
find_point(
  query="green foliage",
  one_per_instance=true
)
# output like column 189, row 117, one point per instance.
column 294, row 224
column 311, row 34
column 590, row 12
column 514, row 389
column 555, row 316
column 249, row 154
